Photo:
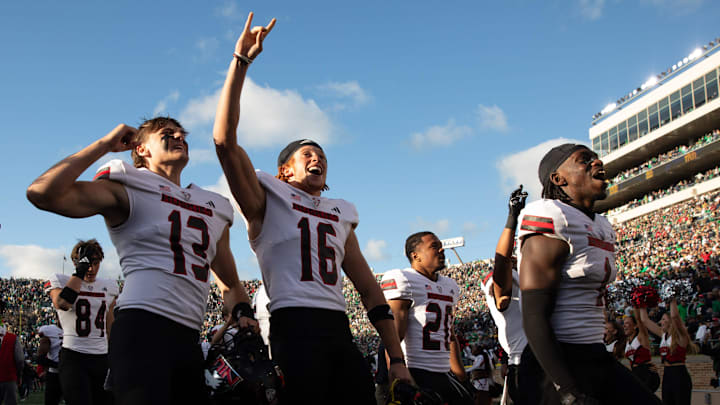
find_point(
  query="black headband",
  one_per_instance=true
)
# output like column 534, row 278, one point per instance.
column 554, row 158
column 292, row 147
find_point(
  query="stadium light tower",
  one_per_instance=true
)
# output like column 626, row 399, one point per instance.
column 453, row 243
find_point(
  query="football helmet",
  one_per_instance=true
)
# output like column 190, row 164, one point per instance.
column 240, row 370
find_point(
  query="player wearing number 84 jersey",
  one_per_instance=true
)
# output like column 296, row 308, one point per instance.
column 84, row 306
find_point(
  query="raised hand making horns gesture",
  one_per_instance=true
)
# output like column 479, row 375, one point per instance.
column 249, row 45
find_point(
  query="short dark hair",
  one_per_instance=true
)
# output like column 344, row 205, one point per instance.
column 149, row 126
column 86, row 248
column 412, row 241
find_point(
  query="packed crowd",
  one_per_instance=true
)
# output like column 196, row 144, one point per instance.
column 665, row 157
column 678, row 242
column 657, row 194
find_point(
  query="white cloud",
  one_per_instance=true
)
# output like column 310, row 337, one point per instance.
column 269, row 117
column 591, row 9
column 33, row 261
column 161, row 107
column 229, row 10
column 375, row 250
column 223, row 188
column 440, row 135
column 350, row 90
column 200, row 156
column 492, row 118
column 522, row 167
column 438, row 227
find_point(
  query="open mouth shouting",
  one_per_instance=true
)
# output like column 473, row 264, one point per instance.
column 316, row 170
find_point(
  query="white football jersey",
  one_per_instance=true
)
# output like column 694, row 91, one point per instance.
column 301, row 246
column 509, row 322
column 167, row 243
column 589, row 267
column 55, row 335
column 84, row 323
column 430, row 319
column 260, row 303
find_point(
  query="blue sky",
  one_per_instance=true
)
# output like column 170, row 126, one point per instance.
column 429, row 113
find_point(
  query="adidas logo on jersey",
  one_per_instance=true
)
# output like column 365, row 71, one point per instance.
column 336, row 209
column 210, row 203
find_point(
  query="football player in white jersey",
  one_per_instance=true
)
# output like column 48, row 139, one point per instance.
column 84, row 305
column 301, row 240
column 502, row 293
column 168, row 239
column 566, row 260
column 51, row 337
column 423, row 302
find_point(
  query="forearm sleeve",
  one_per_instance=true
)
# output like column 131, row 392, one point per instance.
column 537, row 308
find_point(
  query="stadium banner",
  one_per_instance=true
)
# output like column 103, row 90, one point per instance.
column 453, row 242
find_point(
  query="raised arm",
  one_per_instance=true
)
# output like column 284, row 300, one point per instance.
column 679, row 324
column 57, row 190
column 642, row 336
column 502, row 273
column 236, row 164
column 233, row 292
column 651, row 326
column 372, row 296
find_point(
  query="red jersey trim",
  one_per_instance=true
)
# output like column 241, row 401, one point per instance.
column 440, row 297
column 599, row 243
column 105, row 174
column 91, row 294
column 534, row 223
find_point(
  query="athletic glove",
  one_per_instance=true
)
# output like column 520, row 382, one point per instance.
column 82, row 266
column 515, row 205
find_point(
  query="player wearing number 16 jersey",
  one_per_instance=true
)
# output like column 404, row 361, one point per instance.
column 168, row 239
column 301, row 240
column 423, row 303
column 86, row 320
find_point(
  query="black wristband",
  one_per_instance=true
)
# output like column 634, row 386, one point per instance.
column 397, row 360
column 69, row 295
column 243, row 309
column 512, row 222
column 380, row 312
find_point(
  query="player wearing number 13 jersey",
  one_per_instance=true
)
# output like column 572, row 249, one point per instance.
column 168, row 239
column 302, row 240
column 423, row 303
column 86, row 321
